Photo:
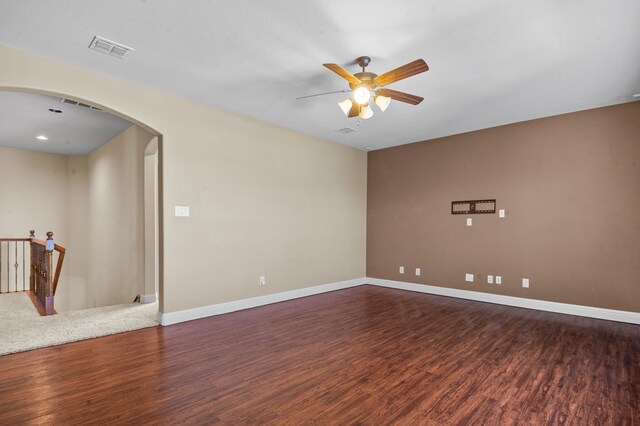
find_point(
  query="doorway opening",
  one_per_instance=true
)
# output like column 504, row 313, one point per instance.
column 102, row 204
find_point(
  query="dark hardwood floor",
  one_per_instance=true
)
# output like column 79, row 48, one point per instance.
column 365, row 355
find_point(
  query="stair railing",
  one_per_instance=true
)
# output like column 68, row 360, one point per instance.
column 13, row 264
column 43, row 277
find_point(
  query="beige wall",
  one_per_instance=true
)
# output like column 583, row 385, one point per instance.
column 32, row 183
column 264, row 200
column 151, row 246
column 72, row 288
column 570, row 185
column 116, row 218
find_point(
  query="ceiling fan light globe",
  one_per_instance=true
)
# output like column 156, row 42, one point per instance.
column 361, row 95
column 345, row 106
column 382, row 102
column 366, row 112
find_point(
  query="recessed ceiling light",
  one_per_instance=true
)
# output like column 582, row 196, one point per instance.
column 42, row 138
column 57, row 111
column 636, row 96
column 368, row 148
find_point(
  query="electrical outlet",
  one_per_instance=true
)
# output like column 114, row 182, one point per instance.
column 498, row 279
column 469, row 221
column 468, row 277
column 402, row 269
column 525, row 282
column 263, row 280
column 417, row 272
column 489, row 279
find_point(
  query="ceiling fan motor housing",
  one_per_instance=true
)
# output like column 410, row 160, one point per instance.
column 366, row 79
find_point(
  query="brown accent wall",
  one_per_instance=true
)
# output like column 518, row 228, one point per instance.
column 570, row 185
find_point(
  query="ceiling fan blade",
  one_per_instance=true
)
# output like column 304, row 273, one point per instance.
column 322, row 94
column 400, row 96
column 343, row 73
column 412, row 68
column 355, row 110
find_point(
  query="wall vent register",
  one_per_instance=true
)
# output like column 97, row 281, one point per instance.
column 346, row 130
column 110, row 47
column 79, row 104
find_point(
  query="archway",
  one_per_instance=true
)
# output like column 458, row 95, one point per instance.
column 157, row 178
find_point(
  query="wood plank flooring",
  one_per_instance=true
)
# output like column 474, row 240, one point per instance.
column 366, row 356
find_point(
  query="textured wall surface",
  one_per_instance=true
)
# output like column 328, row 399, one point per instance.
column 570, row 188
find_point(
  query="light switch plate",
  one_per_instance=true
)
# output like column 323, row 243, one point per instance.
column 468, row 277
column 417, row 272
column 182, row 211
column 501, row 213
column 489, row 279
column 263, row 280
column 469, row 221
column 525, row 282
column 498, row 279
column 402, row 269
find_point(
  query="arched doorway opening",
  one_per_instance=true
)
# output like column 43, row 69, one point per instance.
column 101, row 239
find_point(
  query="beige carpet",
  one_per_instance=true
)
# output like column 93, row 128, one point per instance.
column 22, row 329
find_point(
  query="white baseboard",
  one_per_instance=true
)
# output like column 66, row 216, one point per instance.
column 237, row 305
column 148, row 298
column 520, row 302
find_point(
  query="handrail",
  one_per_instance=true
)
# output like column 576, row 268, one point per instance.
column 61, row 252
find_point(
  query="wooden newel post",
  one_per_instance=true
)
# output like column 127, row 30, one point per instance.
column 48, row 296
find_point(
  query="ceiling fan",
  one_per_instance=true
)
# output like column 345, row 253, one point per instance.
column 366, row 85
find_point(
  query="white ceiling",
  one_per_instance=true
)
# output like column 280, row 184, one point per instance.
column 75, row 131
column 492, row 62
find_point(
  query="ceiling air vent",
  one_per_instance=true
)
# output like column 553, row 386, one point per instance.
column 346, row 130
column 80, row 104
column 109, row 47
